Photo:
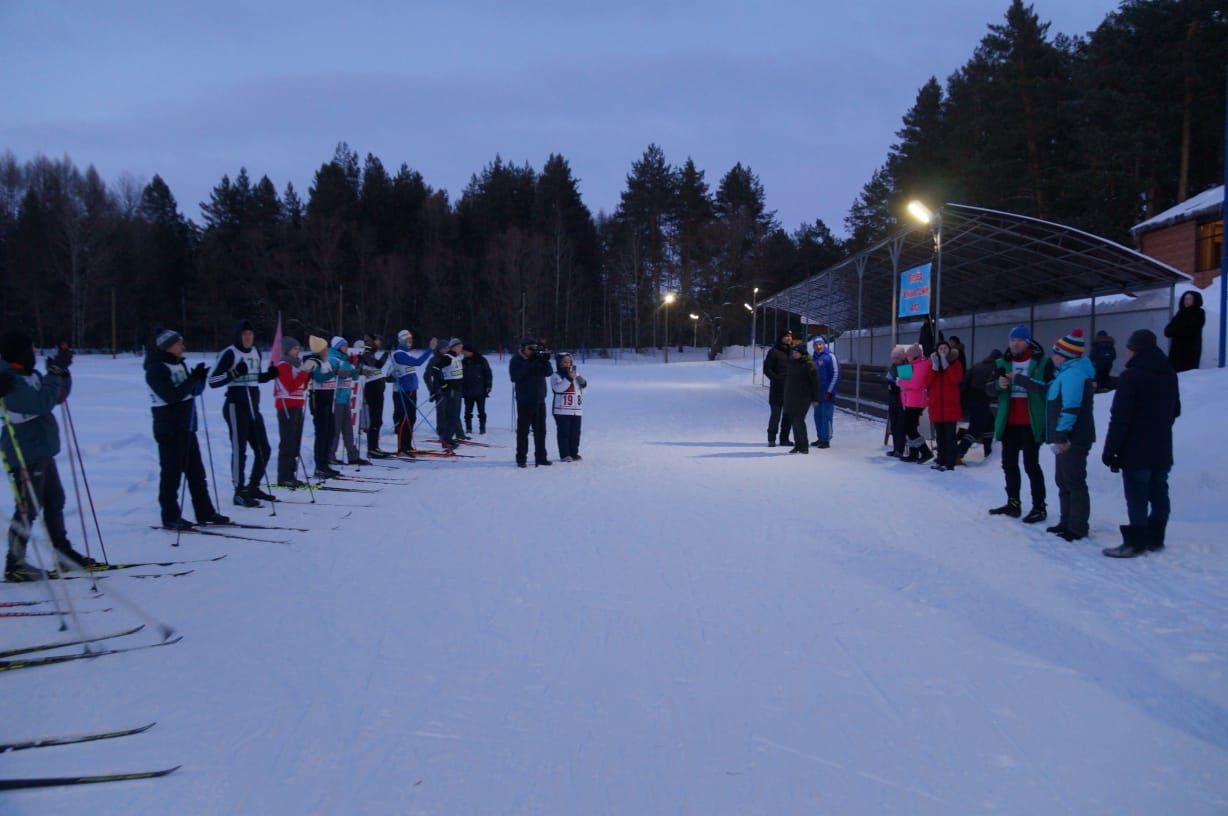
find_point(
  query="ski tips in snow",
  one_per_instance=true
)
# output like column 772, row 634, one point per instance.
column 59, row 781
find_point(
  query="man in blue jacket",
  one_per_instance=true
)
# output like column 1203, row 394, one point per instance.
column 405, row 383
column 829, row 377
column 529, row 369
column 29, row 442
column 1140, row 442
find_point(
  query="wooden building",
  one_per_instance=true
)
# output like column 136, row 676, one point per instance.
column 1189, row 236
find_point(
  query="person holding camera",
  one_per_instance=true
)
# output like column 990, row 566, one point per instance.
column 30, row 441
column 529, row 369
column 173, row 390
column 568, row 386
column 240, row 371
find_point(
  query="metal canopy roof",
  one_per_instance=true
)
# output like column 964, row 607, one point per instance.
column 991, row 260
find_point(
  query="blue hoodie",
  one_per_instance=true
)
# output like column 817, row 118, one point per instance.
column 1069, row 404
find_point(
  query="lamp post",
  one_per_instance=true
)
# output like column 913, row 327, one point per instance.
column 754, row 333
column 669, row 298
column 695, row 333
column 923, row 214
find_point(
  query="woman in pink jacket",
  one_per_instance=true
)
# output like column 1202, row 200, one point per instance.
column 911, row 377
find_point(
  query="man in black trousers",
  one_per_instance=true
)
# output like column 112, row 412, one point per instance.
column 529, row 369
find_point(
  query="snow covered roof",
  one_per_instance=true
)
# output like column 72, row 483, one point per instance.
column 1205, row 203
column 991, row 260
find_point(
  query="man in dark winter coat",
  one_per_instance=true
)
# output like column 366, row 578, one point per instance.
column 1102, row 355
column 371, row 365
column 1185, row 331
column 980, row 382
column 29, row 442
column 529, row 369
column 801, row 391
column 775, row 366
column 478, row 381
column 173, row 391
column 1140, row 442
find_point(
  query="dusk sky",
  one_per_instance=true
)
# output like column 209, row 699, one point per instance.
column 808, row 94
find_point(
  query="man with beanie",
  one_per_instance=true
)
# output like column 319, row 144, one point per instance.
column 240, row 371
column 1140, row 442
column 372, row 363
column 323, row 404
column 477, row 384
column 29, row 442
column 1102, row 354
column 1071, row 429
column 775, row 369
column 528, row 369
column 445, row 375
column 829, row 377
column 289, row 399
column 405, row 388
column 173, row 390
column 1020, row 423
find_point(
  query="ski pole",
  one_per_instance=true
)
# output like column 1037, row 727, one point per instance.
column 85, row 478
column 217, row 503
column 76, row 488
column 311, row 490
column 251, row 408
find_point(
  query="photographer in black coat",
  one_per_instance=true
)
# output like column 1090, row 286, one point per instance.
column 775, row 366
column 528, row 369
column 1140, row 442
column 801, row 391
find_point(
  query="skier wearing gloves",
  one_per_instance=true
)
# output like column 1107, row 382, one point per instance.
column 568, row 386
column 445, row 376
column 829, row 378
column 343, row 426
column 323, row 403
column 405, row 388
column 289, row 399
column 240, row 371
column 173, row 390
column 31, row 436
column 371, row 365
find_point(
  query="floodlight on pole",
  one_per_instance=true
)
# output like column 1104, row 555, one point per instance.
column 669, row 298
column 748, row 307
column 695, row 333
column 923, row 214
column 920, row 212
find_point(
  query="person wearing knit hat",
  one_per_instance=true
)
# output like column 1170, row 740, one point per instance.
column 445, row 375
column 1139, row 443
column 775, row 371
column 911, row 378
column 1103, row 353
column 1069, row 347
column 829, row 376
column 36, row 435
column 289, row 400
column 323, row 398
column 166, row 338
column 405, row 388
column 343, row 404
column 1020, row 422
column 372, row 366
column 240, row 370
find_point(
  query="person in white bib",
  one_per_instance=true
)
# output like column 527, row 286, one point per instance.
column 568, row 386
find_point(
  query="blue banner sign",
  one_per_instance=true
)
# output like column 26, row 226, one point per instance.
column 915, row 291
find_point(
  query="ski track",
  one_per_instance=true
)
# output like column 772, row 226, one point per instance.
column 685, row 622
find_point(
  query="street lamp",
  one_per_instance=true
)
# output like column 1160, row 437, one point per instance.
column 668, row 299
column 695, row 334
column 923, row 214
column 754, row 333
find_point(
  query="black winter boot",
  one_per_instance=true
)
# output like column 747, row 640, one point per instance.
column 1133, row 543
column 1012, row 508
column 924, row 454
column 1155, row 537
column 771, row 441
column 1038, row 513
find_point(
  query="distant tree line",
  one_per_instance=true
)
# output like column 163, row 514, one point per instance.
column 1098, row 132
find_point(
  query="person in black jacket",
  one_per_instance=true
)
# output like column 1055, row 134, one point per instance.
column 775, row 366
column 476, row 387
column 1140, row 442
column 173, row 390
column 1185, row 331
column 1103, row 353
column 240, row 370
column 529, row 369
column 980, row 383
column 801, row 391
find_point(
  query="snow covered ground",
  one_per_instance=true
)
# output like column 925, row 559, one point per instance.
column 685, row 622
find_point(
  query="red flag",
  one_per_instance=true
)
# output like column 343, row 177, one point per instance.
column 275, row 354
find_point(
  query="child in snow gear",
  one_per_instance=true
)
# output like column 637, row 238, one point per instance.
column 29, row 442
column 1020, row 423
column 1140, row 443
column 323, row 404
column 240, row 370
column 528, row 369
column 568, row 386
column 405, row 388
column 173, row 390
column 829, row 378
column 895, row 410
column 1185, row 331
column 289, row 400
column 943, row 384
column 477, row 384
column 343, row 424
column 911, row 377
column 979, row 382
column 371, row 365
column 1102, row 355
column 802, row 390
column 775, row 367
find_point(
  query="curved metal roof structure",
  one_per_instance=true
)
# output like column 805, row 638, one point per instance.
column 991, row 260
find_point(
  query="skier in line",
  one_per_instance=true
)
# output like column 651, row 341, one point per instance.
column 289, row 399
column 372, row 363
column 1020, row 424
column 829, row 378
column 240, row 371
column 323, row 404
column 445, row 375
column 173, row 391
column 775, row 367
column 30, row 434
column 528, row 369
column 478, row 382
column 343, row 425
column 568, row 408
column 405, row 385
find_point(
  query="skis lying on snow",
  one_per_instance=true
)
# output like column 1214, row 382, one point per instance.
column 12, row 665
column 470, row 442
column 327, row 504
column 198, row 531
column 48, row 614
column 5, row 604
column 47, row 742
column 371, row 479
column 130, row 565
column 244, row 526
column 441, row 454
column 334, row 489
column 128, row 575
column 57, row 781
column 63, row 643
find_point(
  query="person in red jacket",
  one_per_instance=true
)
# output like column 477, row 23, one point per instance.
column 945, row 374
column 289, row 397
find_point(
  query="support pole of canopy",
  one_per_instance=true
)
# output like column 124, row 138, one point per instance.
column 861, row 274
column 894, row 248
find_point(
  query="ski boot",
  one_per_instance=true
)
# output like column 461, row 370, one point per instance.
column 1012, row 508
